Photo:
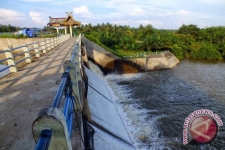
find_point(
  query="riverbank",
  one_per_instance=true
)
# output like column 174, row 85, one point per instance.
column 112, row 63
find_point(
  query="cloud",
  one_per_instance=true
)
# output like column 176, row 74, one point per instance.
column 37, row 18
column 159, row 13
column 8, row 16
column 82, row 10
column 137, row 12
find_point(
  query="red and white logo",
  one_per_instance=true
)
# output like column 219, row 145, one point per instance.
column 201, row 126
column 203, row 129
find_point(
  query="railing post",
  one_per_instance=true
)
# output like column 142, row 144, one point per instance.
column 11, row 61
column 60, row 39
column 52, row 43
column 43, row 46
column 63, row 38
column 48, row 44
column 36, row 50
column 27, row 54
column 52, row 119
column 55, row 41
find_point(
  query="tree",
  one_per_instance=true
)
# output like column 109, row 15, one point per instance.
column 191, row 29
column 177, row 51
column 188, row 41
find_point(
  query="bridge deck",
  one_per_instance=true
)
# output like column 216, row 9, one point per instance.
column 24, row 93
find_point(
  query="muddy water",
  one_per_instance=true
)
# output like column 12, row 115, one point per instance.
column 155, row 104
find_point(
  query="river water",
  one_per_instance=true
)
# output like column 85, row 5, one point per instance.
column 154, row 105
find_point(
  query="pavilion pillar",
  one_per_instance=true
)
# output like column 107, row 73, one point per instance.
column 57, row 29
column 71, row 34
column 65, row 30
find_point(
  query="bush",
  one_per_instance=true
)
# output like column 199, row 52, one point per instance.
column 204, row 51
column 177, row 51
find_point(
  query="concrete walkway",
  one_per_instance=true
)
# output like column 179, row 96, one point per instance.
column 24, row 93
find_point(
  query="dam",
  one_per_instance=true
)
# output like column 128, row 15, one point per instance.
column 30, row 90
column 120, row 111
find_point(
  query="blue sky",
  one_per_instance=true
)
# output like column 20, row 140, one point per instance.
column 162, row 14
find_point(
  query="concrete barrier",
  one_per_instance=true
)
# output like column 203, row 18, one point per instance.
column 12, row 58
column 109, row 62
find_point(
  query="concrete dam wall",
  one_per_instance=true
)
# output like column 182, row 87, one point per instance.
column 100, row 108
column 112, row 63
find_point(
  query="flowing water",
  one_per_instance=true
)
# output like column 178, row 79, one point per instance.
column 154, row 104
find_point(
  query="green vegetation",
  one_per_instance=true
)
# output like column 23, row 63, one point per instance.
column 8, row 31
column 8, row 28
column 187, row 41
column 11, row 35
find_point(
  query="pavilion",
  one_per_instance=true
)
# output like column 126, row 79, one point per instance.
column 64, row 22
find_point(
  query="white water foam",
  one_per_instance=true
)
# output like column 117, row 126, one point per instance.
column 139, row 126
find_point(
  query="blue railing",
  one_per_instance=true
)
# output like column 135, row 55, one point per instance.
column 52, row 129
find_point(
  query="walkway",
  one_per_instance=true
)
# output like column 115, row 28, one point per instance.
column 24, row 93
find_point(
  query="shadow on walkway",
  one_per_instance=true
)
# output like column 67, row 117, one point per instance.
column 24, row 93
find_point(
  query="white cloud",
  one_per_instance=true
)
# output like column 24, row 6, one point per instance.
column 37, row 18
column 137, row 12
column 8, row 16
column 82, row 10
column 159, row 13
column 182, row 12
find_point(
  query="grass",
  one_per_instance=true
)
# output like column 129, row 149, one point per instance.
column 13, row 36
column 131, row 54
column 21, row 36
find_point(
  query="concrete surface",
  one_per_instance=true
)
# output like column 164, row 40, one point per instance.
column 113, row 63
column 110, row 132
column 24, row 93
column 5, row 43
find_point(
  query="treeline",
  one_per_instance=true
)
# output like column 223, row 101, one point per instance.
column 187, row 41
column 8, row 28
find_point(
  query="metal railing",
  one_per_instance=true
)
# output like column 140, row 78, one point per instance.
column 52, row 129
column 28, row 52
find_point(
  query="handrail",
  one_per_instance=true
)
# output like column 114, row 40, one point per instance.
column 38, row 46
column 63, row 119
column 44, row 140
column 59, row 93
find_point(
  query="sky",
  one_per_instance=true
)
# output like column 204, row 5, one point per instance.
column 162, row 14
